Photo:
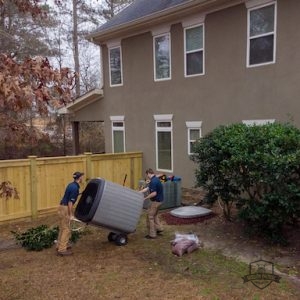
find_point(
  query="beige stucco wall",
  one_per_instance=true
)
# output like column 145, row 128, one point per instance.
column 91, row 112
column 228, row 92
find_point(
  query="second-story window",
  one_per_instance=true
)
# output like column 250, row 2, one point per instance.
column 194, row 50
column 261, row 35
column 162, row 57
column 115, row 66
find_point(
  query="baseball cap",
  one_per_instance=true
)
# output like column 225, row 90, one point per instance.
column 77, row 175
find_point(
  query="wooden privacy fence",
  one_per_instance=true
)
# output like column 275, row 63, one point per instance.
column 41, row 182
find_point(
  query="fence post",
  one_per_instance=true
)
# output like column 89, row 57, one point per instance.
column 33, row 186
column 88, row 165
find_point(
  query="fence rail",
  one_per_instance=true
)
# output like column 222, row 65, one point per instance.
column 41, row 182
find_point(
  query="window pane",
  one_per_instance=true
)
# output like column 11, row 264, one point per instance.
column 118, row 124
column 162, row 57
column 192, row 147
column 118, row 141
column 164, row 150
column 194, row 38
column 194, row 63
column 262, row 20
column 194, row 134
column 163, row 124
column 115, row 66
column 261, row 49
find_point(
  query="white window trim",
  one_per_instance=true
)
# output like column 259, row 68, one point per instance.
column 117, row 119
column 154, row 57
column 258, row 122
column 193, row 125
column 253, row 5
column 163, row 118
column 115, row 46
column 185, row 52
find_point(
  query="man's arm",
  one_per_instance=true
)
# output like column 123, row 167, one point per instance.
column 144, row 190
column 151, row 195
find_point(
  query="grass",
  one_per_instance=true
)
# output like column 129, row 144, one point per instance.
column 143, row 269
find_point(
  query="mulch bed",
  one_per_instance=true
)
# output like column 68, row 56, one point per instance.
column 172, row 220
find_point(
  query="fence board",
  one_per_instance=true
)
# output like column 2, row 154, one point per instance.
column 41, row 182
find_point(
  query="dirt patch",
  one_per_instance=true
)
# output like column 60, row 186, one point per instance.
column 232, row 238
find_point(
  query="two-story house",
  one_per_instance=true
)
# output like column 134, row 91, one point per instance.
column 175, row 70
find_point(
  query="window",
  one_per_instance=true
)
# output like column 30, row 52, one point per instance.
column 261, row 35
column 115, row 66
column 194, row 133
column 164, row 142
column 162, row 57
column 118, row 134
column 194, row 50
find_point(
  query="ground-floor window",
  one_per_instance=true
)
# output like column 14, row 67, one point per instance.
column 194, row 133
column 164, row 142
column 118, row 134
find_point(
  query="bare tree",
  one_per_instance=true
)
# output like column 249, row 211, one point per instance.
column 112, row 7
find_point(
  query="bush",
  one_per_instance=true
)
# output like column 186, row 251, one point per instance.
column 41, row 237
column 255, row 167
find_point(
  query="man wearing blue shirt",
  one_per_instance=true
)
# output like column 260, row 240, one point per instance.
column 65, row 213
column 155, row 189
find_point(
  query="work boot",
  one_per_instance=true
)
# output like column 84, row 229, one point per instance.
column 149, row 237
column 69, row 247
column 64, row 253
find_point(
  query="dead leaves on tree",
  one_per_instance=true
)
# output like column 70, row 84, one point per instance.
column 34, row 79
column 7, row 190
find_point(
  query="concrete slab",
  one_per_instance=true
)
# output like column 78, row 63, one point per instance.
column 190, row 212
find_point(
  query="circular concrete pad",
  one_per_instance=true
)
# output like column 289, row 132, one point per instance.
column 190, row 212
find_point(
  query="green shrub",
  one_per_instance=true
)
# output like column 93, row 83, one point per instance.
column 41, row 237
column 255, row 167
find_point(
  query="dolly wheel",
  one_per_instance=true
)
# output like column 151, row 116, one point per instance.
column 112, row 236
column 121, row 240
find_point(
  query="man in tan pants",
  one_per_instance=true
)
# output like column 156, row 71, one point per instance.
column 155, row 189
column 65, row 213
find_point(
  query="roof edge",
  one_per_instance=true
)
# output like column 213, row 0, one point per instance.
column 163, row 16
column 81, row 102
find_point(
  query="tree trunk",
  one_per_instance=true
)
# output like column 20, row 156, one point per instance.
column 75, row 47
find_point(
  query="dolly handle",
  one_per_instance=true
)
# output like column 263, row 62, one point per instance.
column 124, row 179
